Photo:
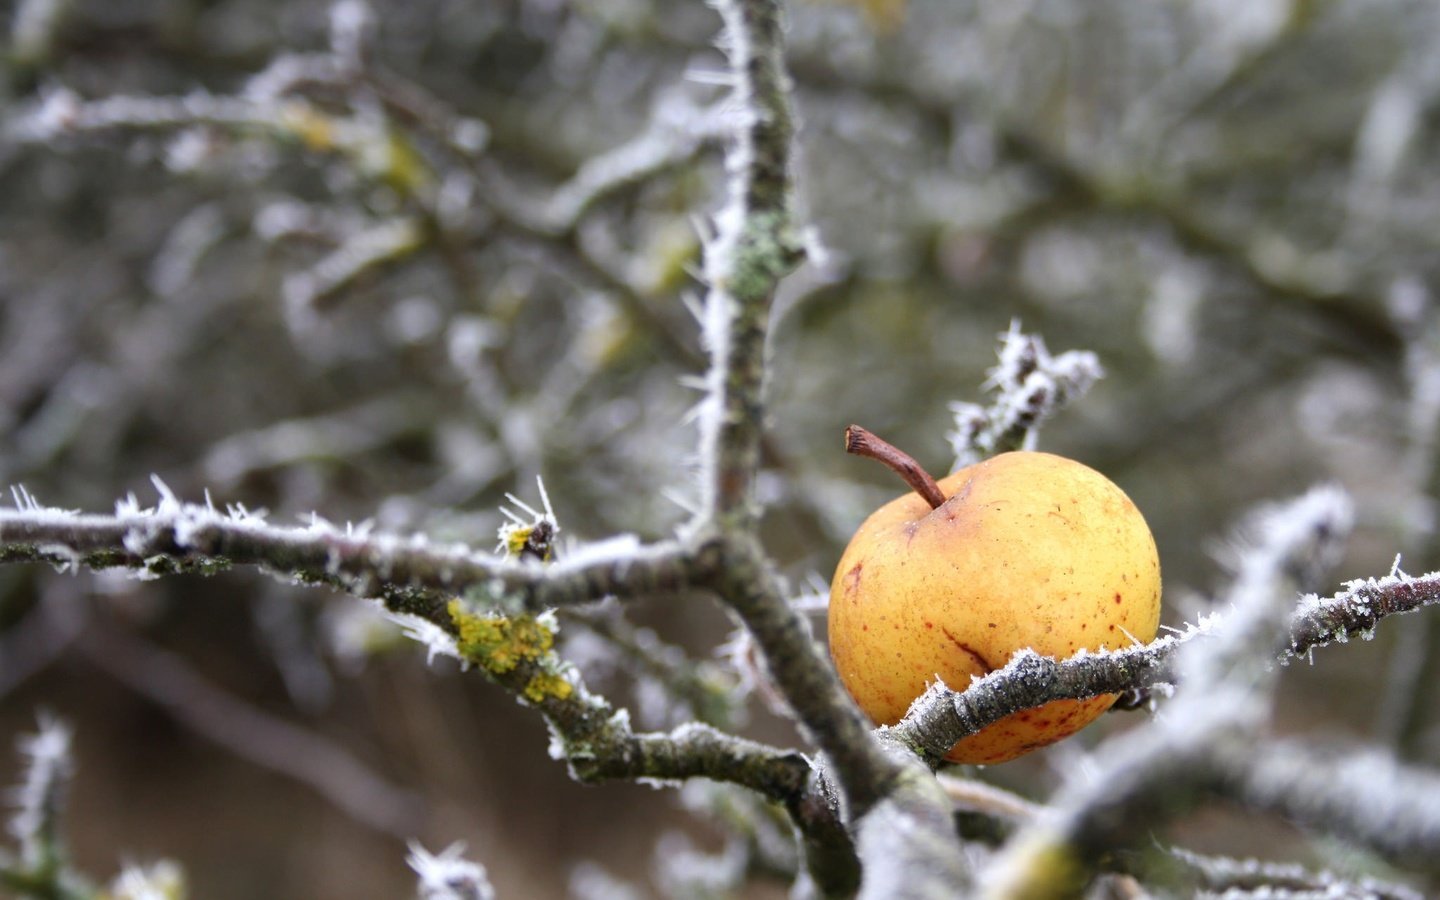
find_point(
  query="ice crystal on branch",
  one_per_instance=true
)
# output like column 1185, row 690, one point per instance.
column 436, row 639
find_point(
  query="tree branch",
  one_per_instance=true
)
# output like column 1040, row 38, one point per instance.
column 744, row 579
column 755, row 245
column 409, row 573
column 942, row 716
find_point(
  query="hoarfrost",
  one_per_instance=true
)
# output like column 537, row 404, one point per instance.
column 448, row 875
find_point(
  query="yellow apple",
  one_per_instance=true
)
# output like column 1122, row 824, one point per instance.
column 1027, row 549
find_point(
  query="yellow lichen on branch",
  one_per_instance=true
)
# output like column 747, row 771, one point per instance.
column 499, row 643
column 548, row 684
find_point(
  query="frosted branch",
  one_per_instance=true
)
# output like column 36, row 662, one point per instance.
column 62, row 114
column 743, row 577
column 942, row 715
column 418, row 579
column 42, row 870
column 597, row 742
column 365, row 252
column 41, row 796
column 677, row 132
column 1030, row 386
column 755, row 245
column 412, row 574
column 1223, row 874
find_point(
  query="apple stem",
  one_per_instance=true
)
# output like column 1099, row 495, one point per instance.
column 864, row 443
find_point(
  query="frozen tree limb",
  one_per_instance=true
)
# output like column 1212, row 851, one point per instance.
column 598, row 744
column 410, row 573
column 63, row 114
column 362, row 254
column 418, row 577
column 151, row 540
column 942, row 716
column 40, row 798
column 186, row 537
column 755, row 245
column 677, row 132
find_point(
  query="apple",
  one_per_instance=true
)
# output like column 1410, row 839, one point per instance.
column 1025, row 549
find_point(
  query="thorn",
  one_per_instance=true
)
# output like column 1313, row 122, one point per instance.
column 545, row 501
column 522, row 504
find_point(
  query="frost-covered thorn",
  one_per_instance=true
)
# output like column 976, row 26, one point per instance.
column 545, row 501
column 448, row 875
column 712, row 77
column 435, row 638
column 168, row 501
